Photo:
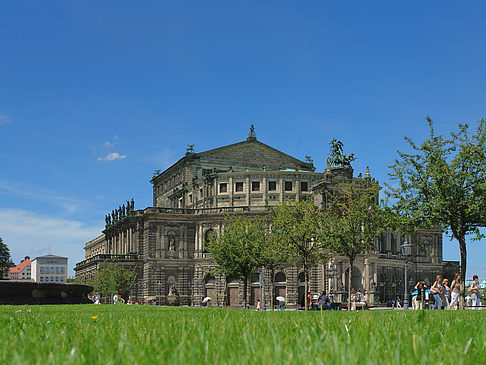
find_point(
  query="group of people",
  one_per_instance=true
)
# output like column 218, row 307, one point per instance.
column 441, row 295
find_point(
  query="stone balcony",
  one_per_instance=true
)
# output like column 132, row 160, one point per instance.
column 106, row 258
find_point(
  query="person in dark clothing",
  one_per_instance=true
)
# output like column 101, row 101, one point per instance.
column 324, row 302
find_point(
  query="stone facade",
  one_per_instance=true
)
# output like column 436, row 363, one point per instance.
column 165, row 243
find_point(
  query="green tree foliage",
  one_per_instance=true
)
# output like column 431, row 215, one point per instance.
column 443, row 182
column 352, row 222
column 297, row 225
column 237, row 249
column 274, row 255
column 5, row 260
column 113, row 278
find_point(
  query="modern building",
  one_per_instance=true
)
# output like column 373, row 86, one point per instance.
column 165, row 243
column 20, row 271
column 49, row 269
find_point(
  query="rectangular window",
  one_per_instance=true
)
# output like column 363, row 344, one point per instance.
column 41, row 269
column 304, row 186
column 52, row 269
column 62, row 269
column 47, row 270
column 255, row 186
column 272, row 185
column 239, row 187
column 57, row 270
column 288, row 186
column 223, row 188
column 57, row 278
column 52, row 278
column 62, row 278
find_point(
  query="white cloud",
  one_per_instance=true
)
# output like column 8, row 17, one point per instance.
column 112, row 156
column 4, row 119
column 30, row 234
column 69, row 204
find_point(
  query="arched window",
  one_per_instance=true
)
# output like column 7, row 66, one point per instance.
column 280, row 277
column 208, row 235
column 209, row 279
column 301, row 278
column 255, row 278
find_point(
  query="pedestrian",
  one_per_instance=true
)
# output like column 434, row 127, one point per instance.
column 323, row 302
column 436, row 290
column 309, row 302
column 446, row 292
column 474, row 289
column 258, row 305
column 455, row 291
column 397, row 302
column 420, row 298
column 115, row 298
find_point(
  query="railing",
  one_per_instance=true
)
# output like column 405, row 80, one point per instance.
column 215, row 210
column 107, row 257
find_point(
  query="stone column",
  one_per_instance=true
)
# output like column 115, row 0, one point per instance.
column 248, row 189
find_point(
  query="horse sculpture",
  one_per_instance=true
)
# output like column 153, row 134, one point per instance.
column 337, row 156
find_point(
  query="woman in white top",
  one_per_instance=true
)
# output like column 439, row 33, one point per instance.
column 446, row 293
column 455, row 291
column 474, row 289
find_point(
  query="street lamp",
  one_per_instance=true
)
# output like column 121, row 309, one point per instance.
column 159, row 284
column 406, row 250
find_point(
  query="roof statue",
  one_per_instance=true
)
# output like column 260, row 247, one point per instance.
column 190, row 148
column 308, row 159
column 251, row 133
column 337, row 156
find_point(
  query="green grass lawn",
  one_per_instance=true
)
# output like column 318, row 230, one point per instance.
column 121, row 334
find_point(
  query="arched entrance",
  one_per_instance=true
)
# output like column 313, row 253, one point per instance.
column 280, row 286
column 357, row 280
column 210, row 287
column 255, row 289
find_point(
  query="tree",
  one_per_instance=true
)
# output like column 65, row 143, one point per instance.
column 352, row 222
column 274, row 255
column 5, row 260
column 114, row 278
column 298, row 226
column 443, row 183
column 237, row 249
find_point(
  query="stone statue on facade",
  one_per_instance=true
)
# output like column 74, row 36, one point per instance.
column 252, row 133
column 337, row 156
column 123, row 210
column 190, row 148
column 171, row 243
column 132, row 205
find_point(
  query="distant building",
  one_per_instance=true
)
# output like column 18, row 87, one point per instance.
column 49, row 269
column 20, row 271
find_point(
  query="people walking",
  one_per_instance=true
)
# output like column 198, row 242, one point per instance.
column 455, row 291
column 436, row 290
column 115, row 298
column 474, row 289
column 446, row 291
column 420, row 298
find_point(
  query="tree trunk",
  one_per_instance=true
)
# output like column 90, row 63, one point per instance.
column 462, row 246
column 350, row 276
column 245, row 289
column 272, row 289
column 306, row 286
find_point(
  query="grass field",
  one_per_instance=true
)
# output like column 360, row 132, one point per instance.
column 109, row 334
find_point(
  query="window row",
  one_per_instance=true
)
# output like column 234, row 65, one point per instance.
column 45, row 279
column 255, row 186
column 51, row 270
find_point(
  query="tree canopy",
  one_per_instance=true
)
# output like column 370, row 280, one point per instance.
column 353, row 220
column 443, row 182
column 113, row 278
column 237, row 250
column 5, row 259
column 298, row 225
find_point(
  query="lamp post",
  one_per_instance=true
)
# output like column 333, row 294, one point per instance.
column 406, row 248
column 159, row 284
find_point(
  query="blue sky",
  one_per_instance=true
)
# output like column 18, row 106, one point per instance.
column 96, row 95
